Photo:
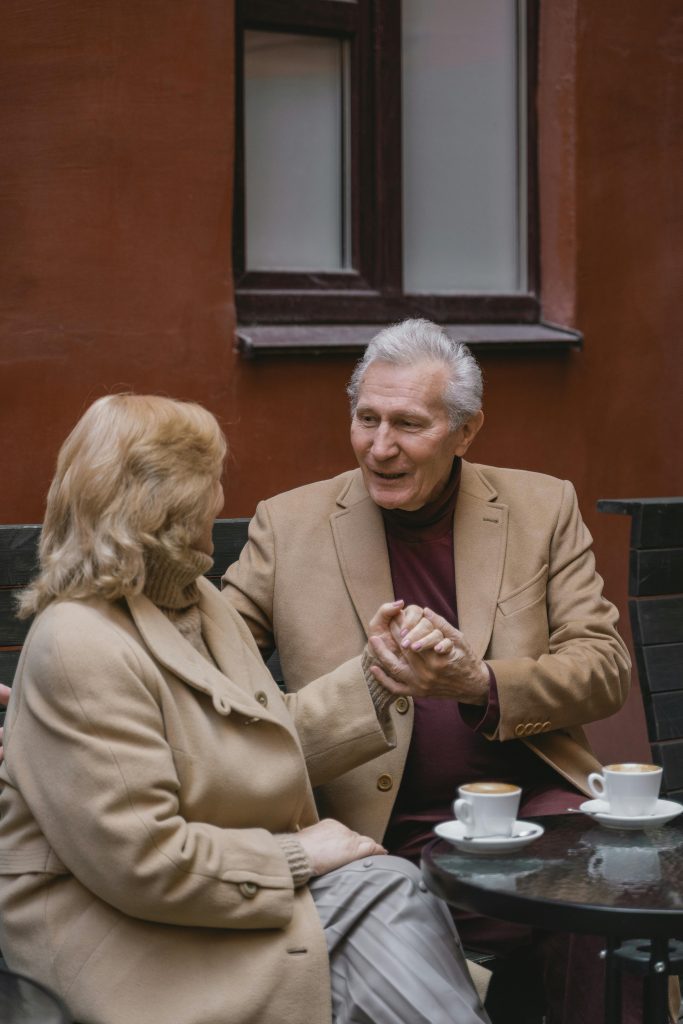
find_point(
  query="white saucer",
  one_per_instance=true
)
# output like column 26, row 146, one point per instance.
column 665, row 810
column 454, row 832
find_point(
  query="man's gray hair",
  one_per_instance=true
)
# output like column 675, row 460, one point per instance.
column 417, row 341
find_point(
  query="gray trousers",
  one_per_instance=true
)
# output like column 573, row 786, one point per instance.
column 395, row 956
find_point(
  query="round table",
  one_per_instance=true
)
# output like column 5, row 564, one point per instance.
column 579, row 877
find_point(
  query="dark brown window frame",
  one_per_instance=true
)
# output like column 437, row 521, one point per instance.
column 270, row 304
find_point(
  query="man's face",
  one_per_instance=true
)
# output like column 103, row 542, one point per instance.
column 401, row 434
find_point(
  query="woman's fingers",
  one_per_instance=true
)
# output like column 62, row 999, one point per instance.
column 328, row 845
column 381, row 620
column 388, row 682
column 424, row 643
column 388, row 661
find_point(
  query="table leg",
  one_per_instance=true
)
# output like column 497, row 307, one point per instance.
column 612, row 984
column 656, row 993
column 653, row 960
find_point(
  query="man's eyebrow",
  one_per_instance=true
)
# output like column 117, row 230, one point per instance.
column 405, row 414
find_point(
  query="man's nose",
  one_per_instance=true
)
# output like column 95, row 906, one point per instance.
column 384, row 442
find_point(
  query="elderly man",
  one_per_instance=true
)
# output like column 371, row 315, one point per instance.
column 503, row 562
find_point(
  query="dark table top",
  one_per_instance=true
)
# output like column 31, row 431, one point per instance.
column 578, row 877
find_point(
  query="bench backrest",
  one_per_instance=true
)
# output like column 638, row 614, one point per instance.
column 19, row 563
column 656, row 613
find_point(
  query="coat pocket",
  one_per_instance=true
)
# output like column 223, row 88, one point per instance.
column 525, row 595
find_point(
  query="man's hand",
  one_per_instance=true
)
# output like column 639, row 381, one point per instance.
column 4, row 698
column 434, row 660
column 329, row 844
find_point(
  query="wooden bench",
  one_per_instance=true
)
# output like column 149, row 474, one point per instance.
column 19, row 563
column 656, row 612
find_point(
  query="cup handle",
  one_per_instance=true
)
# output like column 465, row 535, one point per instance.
column 463, row 811
column 596, row 784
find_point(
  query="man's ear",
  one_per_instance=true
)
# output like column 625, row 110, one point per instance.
column 465, row 435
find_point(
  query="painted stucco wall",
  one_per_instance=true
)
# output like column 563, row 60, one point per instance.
column 116, row 121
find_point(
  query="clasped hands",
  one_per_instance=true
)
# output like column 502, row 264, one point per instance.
column 419, row 653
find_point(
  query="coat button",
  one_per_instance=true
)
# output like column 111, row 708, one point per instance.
column 262, row 698
column 402, row 705
column 519, row 730
column 248, row 889
column 385, row 782
column 546, row 727
column 537, row 727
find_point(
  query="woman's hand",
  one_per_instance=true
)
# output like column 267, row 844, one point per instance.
column 387, row 623
column 392, row 621
column 329, row 844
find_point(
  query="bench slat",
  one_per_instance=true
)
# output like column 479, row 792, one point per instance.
column 12, row 630
column 669, row 754
column 229, row 537
column 656, row 620
column 657, row 571
column 664, row 712
column 18, row 554
column 662, row 666
column 657, row 522
column 8, row 666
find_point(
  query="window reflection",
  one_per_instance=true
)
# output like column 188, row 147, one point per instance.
column 296, row 152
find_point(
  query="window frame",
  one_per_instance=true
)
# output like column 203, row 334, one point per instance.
column 373, row 292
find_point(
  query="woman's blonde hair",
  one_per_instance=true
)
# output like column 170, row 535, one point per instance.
column 133, row 476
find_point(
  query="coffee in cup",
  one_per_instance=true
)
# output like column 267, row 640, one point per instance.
column 631, row 790
column 487, row 808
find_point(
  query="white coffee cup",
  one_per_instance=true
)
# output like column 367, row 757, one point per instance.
column 487, row 808
column 630, row 790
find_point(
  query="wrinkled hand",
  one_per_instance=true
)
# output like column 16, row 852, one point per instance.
column 434, row 660
column 329, row 844
column 4, row 698
column 391, row 621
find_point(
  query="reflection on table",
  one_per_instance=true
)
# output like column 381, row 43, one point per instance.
column 589, row 878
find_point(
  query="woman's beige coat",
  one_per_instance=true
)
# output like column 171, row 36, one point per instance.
column 139, row 876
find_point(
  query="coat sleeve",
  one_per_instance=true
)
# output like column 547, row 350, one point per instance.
column 337, row 723
column 89, row 755
column 334, row 714
column 248, row 584
column 584, row 672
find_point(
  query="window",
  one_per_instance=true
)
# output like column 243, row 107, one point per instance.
column 385, row 167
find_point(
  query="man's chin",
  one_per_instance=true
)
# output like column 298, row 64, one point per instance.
column 385, row 498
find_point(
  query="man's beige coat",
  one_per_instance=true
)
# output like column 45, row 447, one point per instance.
column 139, row 876
column 530, row 602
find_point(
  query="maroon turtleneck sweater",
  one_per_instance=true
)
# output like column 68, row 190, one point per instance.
column 448, row 746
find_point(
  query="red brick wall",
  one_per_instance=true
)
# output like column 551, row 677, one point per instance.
column 115, row 185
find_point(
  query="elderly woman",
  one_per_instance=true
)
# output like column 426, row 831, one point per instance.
column 161, row 861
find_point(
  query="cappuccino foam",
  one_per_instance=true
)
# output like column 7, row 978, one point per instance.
column 632, row 768
column 489, row 788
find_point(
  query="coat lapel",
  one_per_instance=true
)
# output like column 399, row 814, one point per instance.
column 177, row 655
column 480, row 536
column 361, row 546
